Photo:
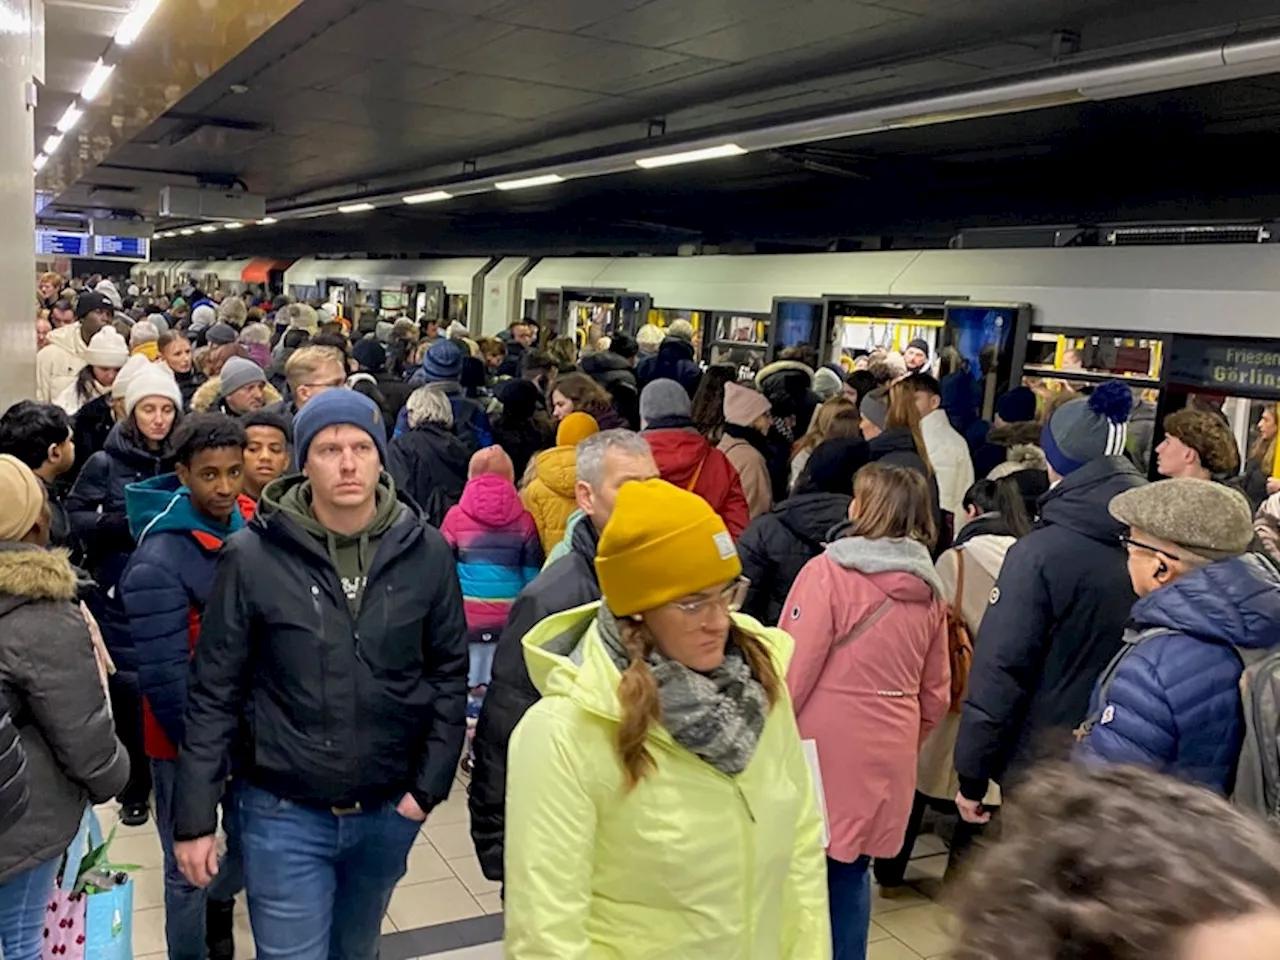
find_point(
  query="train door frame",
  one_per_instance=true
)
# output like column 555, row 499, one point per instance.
column 710, row 341
column 829, row 302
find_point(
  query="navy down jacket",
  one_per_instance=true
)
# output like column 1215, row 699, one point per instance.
column 1175, row 698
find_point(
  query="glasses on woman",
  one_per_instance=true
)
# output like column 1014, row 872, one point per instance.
column 730, row 598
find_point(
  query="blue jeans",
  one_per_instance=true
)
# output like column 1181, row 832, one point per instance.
column 184, row 904
column 318, row 882
column 849, row 890
column 24, row 900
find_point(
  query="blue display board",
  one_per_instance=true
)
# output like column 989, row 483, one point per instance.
column 55, row 243
column 130, row 248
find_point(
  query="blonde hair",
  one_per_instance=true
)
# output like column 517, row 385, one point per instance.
column 892, row 502
column 638, row 692
column 835, row 417
column 305, row 362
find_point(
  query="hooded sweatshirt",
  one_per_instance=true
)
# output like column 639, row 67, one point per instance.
column 352, row 554
column 164, row 589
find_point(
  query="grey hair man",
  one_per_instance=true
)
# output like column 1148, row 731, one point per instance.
column 605, row 462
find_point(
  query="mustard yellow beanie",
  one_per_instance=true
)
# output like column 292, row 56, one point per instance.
column 662, row 543
column 575, row 428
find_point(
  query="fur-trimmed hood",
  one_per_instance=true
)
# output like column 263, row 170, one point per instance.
column 1015, row 434
column 206, row 396
column 30, row 573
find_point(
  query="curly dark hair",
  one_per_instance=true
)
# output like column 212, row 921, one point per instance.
column 1209, row 435
column 1113, row 864
column 205, row 431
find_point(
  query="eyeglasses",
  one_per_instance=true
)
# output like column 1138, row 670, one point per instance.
column 731, row 598
column 1130, row 542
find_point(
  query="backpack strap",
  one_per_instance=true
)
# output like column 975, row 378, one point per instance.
column 1130, row 642
column 955, row 604
column 696, row 474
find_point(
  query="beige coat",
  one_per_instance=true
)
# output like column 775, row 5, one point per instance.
column 983, row 555
column 58, row 362
column 753, row 472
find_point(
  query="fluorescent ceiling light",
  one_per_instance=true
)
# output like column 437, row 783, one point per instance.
column 355, row 208
column 208, row 228
column 431, row 197
column 691, row 156
column 540, row 181
column 267, row 221
column 98, row 78
column 70, row 118
column 52, row 144
column 40, row 161
column 232, row 226
column 131, row 26
column 186, row 233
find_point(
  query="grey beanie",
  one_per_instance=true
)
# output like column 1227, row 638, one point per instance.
column 221, row 334
column 1207, row 518
column 875, row 407
column 236, row 373
column 664, row 398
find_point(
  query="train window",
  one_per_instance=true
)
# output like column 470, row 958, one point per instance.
column 1095, row 357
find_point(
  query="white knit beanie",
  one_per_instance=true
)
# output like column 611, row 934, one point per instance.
column 134, row 366
column 155, row 381
column 106, row 349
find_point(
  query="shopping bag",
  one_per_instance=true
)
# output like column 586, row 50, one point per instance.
column 90, row 914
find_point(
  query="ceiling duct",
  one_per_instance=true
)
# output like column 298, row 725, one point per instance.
column 193, row 203
column 1164, row 236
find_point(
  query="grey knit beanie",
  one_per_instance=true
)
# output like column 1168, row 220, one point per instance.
column 1087, row 429
column 236, row 373
column 1207, row 518
column 664, row 398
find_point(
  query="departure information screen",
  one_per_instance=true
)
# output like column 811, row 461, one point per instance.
column 131, row 248
column 54, row 243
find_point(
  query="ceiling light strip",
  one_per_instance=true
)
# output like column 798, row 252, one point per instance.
column 70, row 117
column 435, row 196
column 355, row 208
column 131, row 26
column 691, row 156
column 524, row 183
column 98, row 78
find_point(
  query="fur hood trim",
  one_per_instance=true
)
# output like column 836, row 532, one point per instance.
column 206, row 396
column 35, row 574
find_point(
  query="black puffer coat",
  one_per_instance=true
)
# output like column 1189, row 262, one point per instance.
column 1055, row 620
column 618, row 377
column 775, row 547
column 98, row 521
column 897, row 448
column 567, row 583
column 340, row 709
column 50, row 681
column 15, row 791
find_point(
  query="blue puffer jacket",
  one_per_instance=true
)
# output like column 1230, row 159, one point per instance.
column 1174, row 704
column 163, row 590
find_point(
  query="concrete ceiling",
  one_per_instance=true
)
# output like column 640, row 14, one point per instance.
column 343, row 97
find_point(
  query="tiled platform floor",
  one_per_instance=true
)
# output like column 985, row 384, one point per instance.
column 444, row 885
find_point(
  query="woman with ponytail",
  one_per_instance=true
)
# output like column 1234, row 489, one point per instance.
column 891, row 425
column 658, row 799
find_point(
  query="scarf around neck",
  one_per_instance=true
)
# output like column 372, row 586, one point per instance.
column 717, row 716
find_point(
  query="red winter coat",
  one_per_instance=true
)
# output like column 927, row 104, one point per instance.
column 686, row 460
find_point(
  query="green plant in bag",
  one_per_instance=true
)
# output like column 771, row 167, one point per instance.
column 97, row 873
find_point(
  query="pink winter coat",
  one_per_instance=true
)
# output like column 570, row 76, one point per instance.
column 868, row 697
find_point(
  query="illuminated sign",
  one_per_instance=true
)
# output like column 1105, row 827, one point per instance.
column 129, row 248
column 1225, row 364
column 56, row 243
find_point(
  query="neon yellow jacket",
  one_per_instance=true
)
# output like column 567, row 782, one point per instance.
column 691, row 865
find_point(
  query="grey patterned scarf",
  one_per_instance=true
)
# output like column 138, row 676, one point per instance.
column 717, row 716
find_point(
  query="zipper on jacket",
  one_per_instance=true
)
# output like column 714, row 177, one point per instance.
column 327, row 723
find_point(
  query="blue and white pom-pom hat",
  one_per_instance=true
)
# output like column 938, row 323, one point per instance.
column 1088, row 428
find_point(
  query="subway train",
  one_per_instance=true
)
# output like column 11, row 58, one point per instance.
column 1174, row 322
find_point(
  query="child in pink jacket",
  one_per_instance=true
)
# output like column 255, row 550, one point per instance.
column 495, row 544
column 870, row 677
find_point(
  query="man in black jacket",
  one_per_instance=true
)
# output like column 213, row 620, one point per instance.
column 335, row 627
column 604, row 463
column 39, row 434
column 1058, row 609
